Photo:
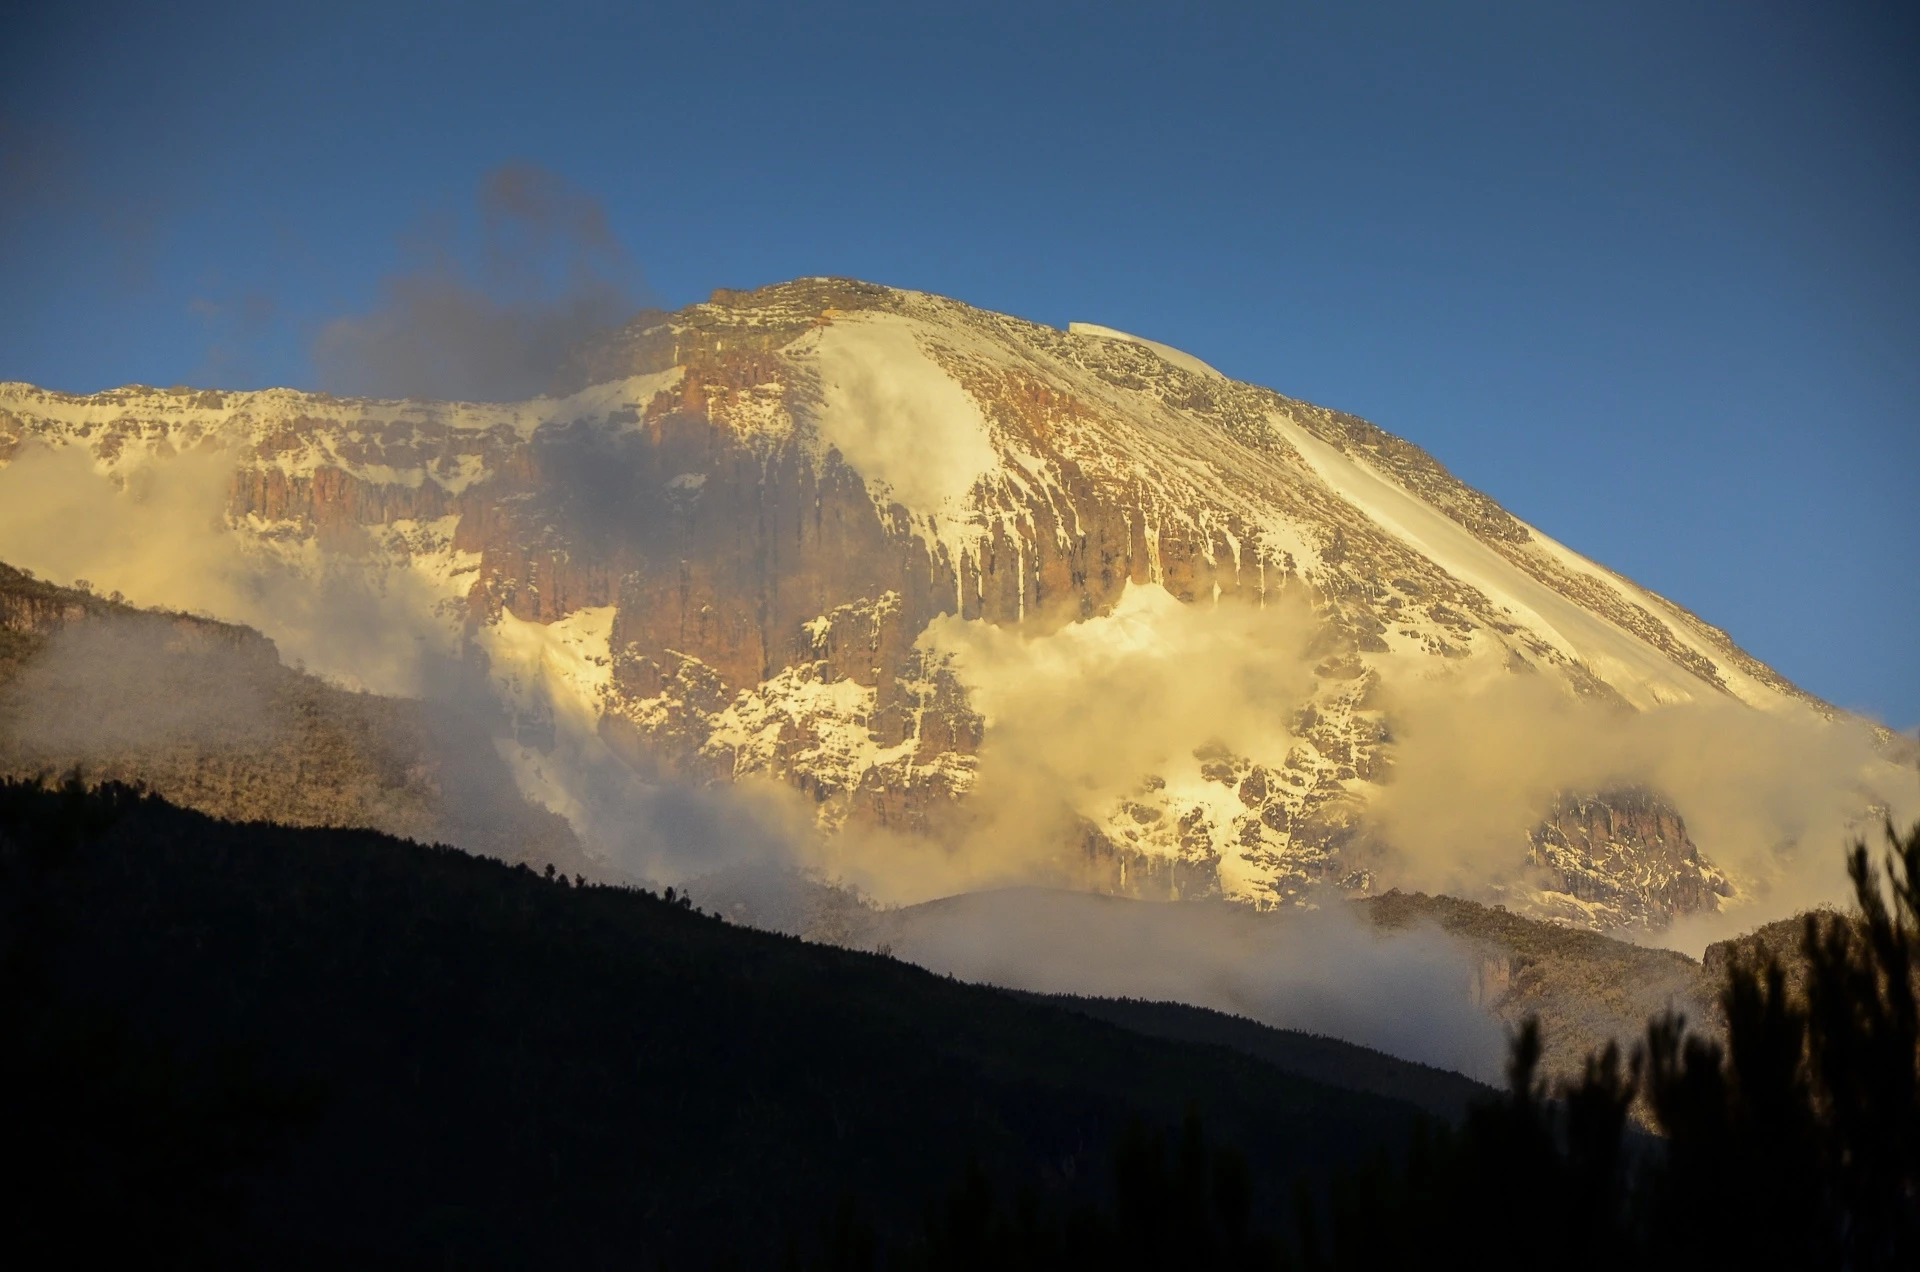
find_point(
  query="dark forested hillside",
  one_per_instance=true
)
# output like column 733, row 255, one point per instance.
column 1440, row 1092
column 331, row 1048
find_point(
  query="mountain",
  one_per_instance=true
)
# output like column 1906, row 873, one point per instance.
column 1070, row 605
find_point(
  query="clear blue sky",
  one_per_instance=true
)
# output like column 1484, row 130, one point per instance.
column 1649, row 274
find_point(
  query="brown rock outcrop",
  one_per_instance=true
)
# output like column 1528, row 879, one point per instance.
column 1627, row 853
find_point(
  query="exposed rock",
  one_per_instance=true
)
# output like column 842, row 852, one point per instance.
column 1625, row 858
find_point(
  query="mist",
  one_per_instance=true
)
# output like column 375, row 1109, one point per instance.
column 644, row 825
column 491, row 324
column 1319, row 971
column 117, row 686
column 1770, row 797
column 156, row 533
column 1077, row 716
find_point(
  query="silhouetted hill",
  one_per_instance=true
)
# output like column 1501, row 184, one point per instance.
column 1329, row 1060
column 380, row 1053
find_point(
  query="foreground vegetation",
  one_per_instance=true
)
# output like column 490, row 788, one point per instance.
column 250, row 1045
column 1794, row 1145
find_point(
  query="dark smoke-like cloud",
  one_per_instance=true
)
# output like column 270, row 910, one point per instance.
column 491, row 325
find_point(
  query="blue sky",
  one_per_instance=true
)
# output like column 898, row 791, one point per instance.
column 1649, row 274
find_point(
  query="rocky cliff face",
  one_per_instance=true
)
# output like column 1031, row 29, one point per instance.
column 1627, row 852
column 728, row 546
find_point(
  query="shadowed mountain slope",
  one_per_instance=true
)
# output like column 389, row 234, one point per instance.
column 1339, row 1064
column 497, row 1069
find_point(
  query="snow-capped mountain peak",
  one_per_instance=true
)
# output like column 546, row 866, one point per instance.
column 887, row 549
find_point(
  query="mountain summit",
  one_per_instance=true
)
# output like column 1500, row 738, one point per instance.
column 1059, row 603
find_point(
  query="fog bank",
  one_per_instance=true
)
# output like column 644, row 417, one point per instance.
column 1320, row 971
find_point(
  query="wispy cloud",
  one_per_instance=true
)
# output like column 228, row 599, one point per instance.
column 492, row 324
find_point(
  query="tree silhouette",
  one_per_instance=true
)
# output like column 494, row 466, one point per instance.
column 1796, row 1143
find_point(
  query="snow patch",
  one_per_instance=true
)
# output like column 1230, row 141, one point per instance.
column 897, row 418
column 1185, row 361
column 566, row 662
column 1643, row 675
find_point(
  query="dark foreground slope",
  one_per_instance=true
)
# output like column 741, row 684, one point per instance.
column 331, row 1048
column 1441, row 1092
